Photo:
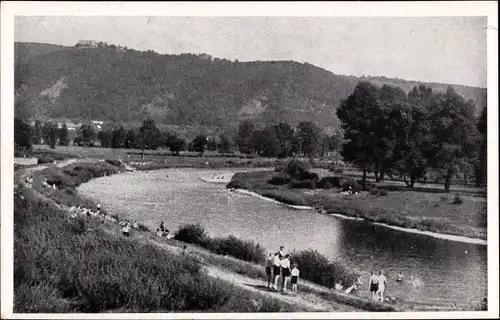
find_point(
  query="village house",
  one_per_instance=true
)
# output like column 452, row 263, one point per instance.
column 87, row 44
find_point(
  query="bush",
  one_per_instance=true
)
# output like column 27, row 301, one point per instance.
column 332, row 182
column 43, row 160
column 457, row 199
column 304, row 184
column 296, row 168
column 114, row 162
column 316, row 268
column 191, row 233
column 280, row 179
column 354, row 186
column 238, row 248
column 285, row 196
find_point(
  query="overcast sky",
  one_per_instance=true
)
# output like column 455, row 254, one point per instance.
column 447, row 50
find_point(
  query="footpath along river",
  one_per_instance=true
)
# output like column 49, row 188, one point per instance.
column 445, row 271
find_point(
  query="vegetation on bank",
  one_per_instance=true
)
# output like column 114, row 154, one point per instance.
column 66, row 265
column 426, row 211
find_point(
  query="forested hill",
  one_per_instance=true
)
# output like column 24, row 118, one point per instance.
column 107, row 83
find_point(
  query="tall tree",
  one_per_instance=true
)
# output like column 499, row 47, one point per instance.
column 87, row 134
column 50, row 134
column 132, row 139
column 244, row 138
column 481, row 166
column 225, row 144
column 63, row 135
column 23, row 134
column 453, row 131
column 119, row 136
column 37, row 132
column 284, row 134
column 149, row 135
column 212, row 144
column 199, row 143
column 106, row 138
column 359, row 113
column 309, row 137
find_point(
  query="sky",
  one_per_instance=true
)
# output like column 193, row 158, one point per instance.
column 432, row 49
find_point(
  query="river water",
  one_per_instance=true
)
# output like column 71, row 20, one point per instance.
column 444, row 271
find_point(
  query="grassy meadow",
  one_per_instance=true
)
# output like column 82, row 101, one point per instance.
column 426, row 209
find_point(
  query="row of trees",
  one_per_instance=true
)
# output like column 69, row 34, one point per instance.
column 390, row 132
column 49, row 133
column 283, row 141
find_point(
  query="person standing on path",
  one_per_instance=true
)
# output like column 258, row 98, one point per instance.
column 282, row 252
column 276, row 270
column 382, row 281
column 269, row 269
column 285, row 271
column 295, row 277
column 373, row 285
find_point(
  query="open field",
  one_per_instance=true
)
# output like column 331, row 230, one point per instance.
column 421, row 209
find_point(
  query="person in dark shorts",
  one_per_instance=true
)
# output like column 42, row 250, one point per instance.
column 295, row 277
column 276, row 270
column 373, row 285
column 285, row 270
column 269, row 269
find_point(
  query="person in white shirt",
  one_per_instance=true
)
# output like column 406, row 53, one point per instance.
column 295, row 277
column 382, row 280
column 285, row 271
column 269, row 269
column 276, row 270
column 126, row 230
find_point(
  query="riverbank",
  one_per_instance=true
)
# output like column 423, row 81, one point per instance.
column 430, row 213
column 87, row 244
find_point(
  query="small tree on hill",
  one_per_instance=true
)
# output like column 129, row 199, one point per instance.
column 105, row 137
column 212, row 144
column 87, row 134
column 132, row 140
column 244, row 138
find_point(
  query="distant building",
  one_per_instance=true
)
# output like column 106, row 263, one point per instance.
column 87, row 44
column 72, row 126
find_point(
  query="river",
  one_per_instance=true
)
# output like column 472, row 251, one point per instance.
column 445, row 271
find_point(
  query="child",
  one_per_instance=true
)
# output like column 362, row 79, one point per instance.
column 295, row 277
column 373, row 285
column 126, row 230
column 400, row 277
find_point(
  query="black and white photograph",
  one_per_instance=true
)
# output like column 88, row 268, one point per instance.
column 250, row 160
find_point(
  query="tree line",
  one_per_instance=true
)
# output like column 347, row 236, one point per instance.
column 389, row 132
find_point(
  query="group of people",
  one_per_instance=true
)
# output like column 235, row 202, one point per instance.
column 162, row 231
column 377, row 285
column 279, row 265
column 88, row 212
column 28, row 181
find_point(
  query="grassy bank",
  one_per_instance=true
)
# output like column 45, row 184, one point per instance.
column 427, row 211
column 57, row 258
column 65, row 264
